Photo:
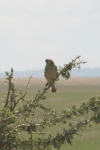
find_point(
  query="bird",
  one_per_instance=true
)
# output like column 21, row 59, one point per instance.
column 51, row 73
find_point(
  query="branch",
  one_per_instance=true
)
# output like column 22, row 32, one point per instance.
column 9, row 79
column 64, row 72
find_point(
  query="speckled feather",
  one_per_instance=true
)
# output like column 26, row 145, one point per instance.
column 51, row 73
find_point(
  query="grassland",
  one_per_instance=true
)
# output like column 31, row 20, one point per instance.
column 69, row 92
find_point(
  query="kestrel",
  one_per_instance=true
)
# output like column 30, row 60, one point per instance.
column 51, row 73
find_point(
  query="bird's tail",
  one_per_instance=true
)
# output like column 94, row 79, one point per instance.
column 53, row 88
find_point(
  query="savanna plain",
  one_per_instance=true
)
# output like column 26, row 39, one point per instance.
column 69, row 92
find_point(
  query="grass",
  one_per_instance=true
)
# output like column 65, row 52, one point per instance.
column 69, row 92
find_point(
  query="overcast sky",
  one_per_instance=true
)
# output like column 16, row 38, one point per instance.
column 33, row 30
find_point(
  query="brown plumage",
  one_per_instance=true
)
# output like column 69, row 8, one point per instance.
column 51, row 73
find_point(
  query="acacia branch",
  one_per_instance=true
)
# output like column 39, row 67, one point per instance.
column 9, row 79
column 64, row 73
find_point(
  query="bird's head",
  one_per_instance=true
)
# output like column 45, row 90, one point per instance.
column 49, row 62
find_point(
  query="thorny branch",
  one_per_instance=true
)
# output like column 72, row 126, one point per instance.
column 54, row 117
column 64, row 72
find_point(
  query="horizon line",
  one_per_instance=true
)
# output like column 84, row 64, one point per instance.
column 43, row 69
